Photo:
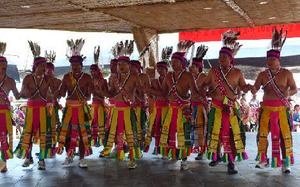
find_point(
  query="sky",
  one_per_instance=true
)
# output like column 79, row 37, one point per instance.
column 18, row 51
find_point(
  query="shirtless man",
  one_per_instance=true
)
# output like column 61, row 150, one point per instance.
column 199, row 110
column 75, row 124
column 52, row 102
column 140, row 100
column 161, row 105
column 7, row 84
column 176, row 87
column 223, row 126
column 34, row 89
column 278, row 84
column 123, row 120
column 98, row 112
column 113, row 75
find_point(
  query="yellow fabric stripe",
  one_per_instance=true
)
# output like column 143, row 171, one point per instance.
column 42, row 127
column 28, row 129
column 101, row 122
column 264, row 130
column 151, row 124
column 9, row 127
column 113, row 128
column 213, row 146
column 236, row 134
column 138, row 111
column 200, row 125
column 164, row 111
column 285, row 132
column 165, row 129
column 180, row 130
column 68, row 115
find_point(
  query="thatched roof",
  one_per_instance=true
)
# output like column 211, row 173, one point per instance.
column 159, row 15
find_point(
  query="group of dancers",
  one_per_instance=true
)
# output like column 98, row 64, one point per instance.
column 167, row 103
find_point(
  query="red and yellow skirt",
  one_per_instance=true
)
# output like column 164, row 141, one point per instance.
column 6, row 135
column 274, row 117
column 76, row 118
column 156, row 121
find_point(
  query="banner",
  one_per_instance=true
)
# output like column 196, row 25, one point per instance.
column 253, row 33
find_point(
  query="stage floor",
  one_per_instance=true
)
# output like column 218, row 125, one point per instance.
column 151, row 171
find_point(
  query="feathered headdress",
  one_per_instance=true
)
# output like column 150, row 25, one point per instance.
column 74, row 50
column 2, row 51
column 96, row 54
column 184, row 46
column 123, row 49
column 229, row 39
column 2, row 48
column 200, row 53
column 35, row 49
column 36, row 52
column 278, row 40
column 166, row 53
column 95, row 66
column 50, row 56
column 75, row 47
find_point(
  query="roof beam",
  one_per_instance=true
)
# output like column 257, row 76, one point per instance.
column 72, row 23
column 236, row 8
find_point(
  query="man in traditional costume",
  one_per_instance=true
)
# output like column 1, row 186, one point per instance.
column 278, row 84
column 7, row 84
column 139, row 100
column 199, row 104
column 113, row 75
column 37, row 122
column 123, row 121
column 175, row 135
column 224, row 127
column 161, row 105
column 75, row 122
column 98, row 104
column 52, row 101
column 116, row 52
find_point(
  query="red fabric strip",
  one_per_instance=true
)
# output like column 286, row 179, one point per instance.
column 36, row 103
column 273, row 103
column 120, row 130
column 253, row 33
column 36, row 119
column 161, row 103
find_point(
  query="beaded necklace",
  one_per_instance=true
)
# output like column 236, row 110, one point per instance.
column 121, row 90
column 179, row 100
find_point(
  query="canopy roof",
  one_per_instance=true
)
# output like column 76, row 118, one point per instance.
column 159, row 15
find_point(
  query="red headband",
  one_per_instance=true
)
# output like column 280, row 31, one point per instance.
column 273, row 53
column 180, row 56
column 97, row 69
column 197, row 63
column 124, row 58
column 136, row 64
column 77, row 59
column 162, row 65
column 227, row 51
column 37, row 61
column 50, row 66
column 2, row 59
